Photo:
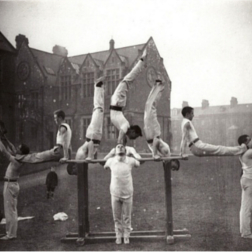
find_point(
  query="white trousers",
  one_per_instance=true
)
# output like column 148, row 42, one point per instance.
column 121, row 209
column 151, row 125
column 203, row 149
column 94, row 130
column 246, row 206
column 117, row 117
column 10, row 193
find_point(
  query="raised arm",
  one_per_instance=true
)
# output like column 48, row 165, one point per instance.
column 110, row 154
column 121, row 137
column 5, row 152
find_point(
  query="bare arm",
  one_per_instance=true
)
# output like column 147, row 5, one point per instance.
column 184, row 137
column 63, row 130
column 5, row 152
column 121, row 137
column 155, row 148
column 110, row 154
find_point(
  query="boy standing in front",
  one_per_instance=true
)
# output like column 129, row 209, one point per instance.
column 121, row 190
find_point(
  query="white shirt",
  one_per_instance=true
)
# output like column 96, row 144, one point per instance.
column 64, row 139
column 191, row 133
column 120, row 95
column 247, row 170
column 121, row 184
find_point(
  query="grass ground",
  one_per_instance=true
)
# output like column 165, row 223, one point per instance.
column 206, row 201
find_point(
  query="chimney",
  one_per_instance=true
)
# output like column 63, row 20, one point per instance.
column 20, row 39
column 204, row 104
column 111, row 45
column 233, row 102
column 60, row 50
column 185, row 104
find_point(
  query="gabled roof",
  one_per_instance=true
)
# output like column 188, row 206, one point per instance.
column 48, row 62
column 5, row 45
column 130, row 53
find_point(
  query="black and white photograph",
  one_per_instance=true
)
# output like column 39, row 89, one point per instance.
column 125, row 125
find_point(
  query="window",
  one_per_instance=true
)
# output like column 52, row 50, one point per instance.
column 85, row 123
column 21, row 99
column 66, row 87
column 88, row 84
column 112, row 80
column 111, row 131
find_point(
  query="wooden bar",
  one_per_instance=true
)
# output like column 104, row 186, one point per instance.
column 93, row 161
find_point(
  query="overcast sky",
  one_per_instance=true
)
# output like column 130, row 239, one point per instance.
column 206, row 45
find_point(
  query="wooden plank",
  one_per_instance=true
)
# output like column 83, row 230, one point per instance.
column 168, row 198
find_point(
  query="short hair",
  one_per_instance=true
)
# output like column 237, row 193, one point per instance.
column 24, row 149
column 60, row 113
column 242, row 139
column 137, row 129
column 186, row 110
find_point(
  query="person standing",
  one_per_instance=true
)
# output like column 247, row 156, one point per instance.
column 199, row 148
column 246, row 186
column 121, row 190
column 11, row 190
column 64, row 134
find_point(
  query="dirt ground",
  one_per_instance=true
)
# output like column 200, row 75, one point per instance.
column 206, row 201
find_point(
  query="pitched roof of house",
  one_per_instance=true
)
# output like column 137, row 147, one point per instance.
column 5, row 45
column 128, row 53
column 48, row 62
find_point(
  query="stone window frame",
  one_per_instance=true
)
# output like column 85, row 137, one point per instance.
column 88, row 79
column 112, row 80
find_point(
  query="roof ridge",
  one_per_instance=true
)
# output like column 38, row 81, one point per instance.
column 47, row 52
column 107, row 50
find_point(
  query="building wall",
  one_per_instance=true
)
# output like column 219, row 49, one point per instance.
column 7, row 92
column 215, row 128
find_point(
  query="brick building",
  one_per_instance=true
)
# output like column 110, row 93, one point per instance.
column 221, row 125
column 43, row 82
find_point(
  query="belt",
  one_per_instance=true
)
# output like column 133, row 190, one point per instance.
column 115, row 108
column 10, row 180
column 151, row 140
column 94, row 140
column 194, row 141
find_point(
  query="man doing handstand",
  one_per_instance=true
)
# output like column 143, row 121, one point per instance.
column 118, row 102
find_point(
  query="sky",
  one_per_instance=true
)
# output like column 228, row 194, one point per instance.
column 206, row 44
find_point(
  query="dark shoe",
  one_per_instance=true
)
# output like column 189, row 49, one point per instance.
column 71, row 169
column 175, row 164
